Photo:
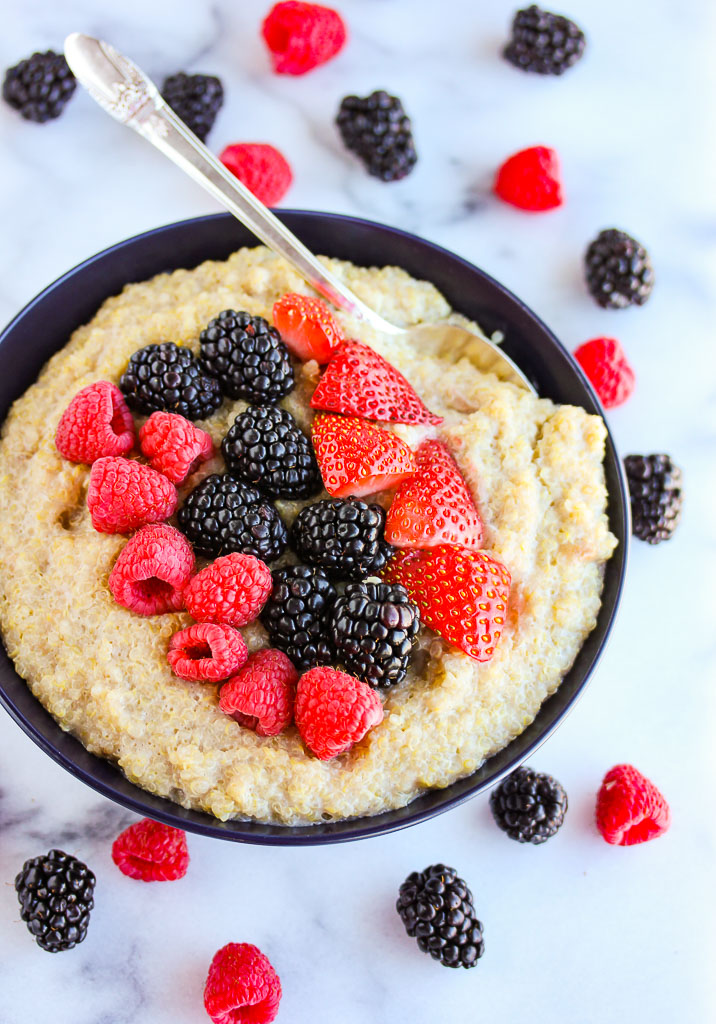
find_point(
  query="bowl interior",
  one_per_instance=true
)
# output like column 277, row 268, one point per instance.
column 45, row 325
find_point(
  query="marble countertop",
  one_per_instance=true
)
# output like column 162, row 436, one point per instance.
column 575, row 930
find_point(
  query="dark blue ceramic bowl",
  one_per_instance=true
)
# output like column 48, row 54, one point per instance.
column 46, row 323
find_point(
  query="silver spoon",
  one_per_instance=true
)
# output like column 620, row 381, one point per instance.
column 125, row 92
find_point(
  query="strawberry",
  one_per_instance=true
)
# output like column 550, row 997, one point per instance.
column 307, row 326
column 462, row 595
column 434, row 506
column 359, row 382
column 357, row 458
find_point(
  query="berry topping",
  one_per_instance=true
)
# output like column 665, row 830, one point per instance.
column 528, row 806
column 222, row 515
column 530, row 180
column 97, row 422
column 655, row 493
column 374, row 627
column 233, row 590
column 174, row 446
column 206, row 652
column 196, row 99
column 618, row 270
column 247, row 356
column 357, row 457
column 301, row 36
column 242, row 986
column 436, row 907
column 262, row 168
column 630, row 809
column 359, row 382
column 168, row 378
column 152, row 570
column 261, row 696
column 462, row 595
column 343, row 537
column 151, row 852
column 123, row 495
column 267, row 448
column 605, row 364
column 334, row 711
column 308, row 327
column 434, row 506
column 543, row 42
column 297, row 612
column 377, row 129
column 56, row 894
column 40, row 86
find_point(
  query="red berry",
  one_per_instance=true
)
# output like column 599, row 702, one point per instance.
column 97, row 422
column 530, row 180
column 206, row 651
column 334, row 711
column 630, row 809
column 152, row 570
column 462, row 595
column 307, row 326
column 358, row 458
column 608, row 369
column 242, row 986
column 301, row 36
column 174, row 446
column 233, row 589
column 359, row 382
column 261, row 696
column 434, row 506
column 151, row 852
column 123, row 495
column 262, row 168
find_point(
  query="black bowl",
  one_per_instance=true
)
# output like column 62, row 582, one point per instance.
column 46, row 323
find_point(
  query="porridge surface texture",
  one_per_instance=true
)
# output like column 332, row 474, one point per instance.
column 535, row 470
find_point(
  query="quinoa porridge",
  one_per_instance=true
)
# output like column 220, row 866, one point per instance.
column 535, row 471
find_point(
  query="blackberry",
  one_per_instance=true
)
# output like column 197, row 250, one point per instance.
column 342, row 536
column 222, row 515
column 377, row 129
column 56, row 894
column 618, row 270
column 196, row 99
column 543, row 42
column 528, row 806
column 655, row 493
column 296, row 612
column 374, row 627
column 168, row 377
column 40, row 86
column 436, row 907
column 266, row 447
column 247, row 356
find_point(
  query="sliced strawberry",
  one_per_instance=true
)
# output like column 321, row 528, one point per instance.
column 462, row 595
column 359, row 382
column 434, row 506
column 308, row 327
column 356, row 457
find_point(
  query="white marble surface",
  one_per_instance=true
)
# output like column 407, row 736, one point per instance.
column 576, row 930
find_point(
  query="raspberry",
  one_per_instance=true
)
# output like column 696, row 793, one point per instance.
column 302, row 36
column 241, row 986
column 334, row 711
column 174, row 446
column 262, row 168
column 97, row 422
column 530, row 180
column 152, row 570
column 123, row 495
column 206, row 651
column 261, row 696
column 151, row 852
column 630, row 809
column 233, row 590
column 607, row 367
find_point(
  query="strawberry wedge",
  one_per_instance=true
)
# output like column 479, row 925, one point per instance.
column 307, row 326
column 358, row 458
